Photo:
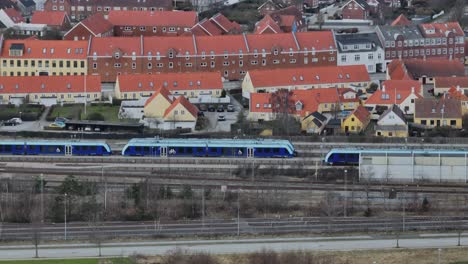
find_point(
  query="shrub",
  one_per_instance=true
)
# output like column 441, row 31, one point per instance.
column 95, row 116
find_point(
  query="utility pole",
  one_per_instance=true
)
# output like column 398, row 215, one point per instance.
column 203, row 207
column 238, row 213
column 65, row 215
column 404, row 208
column 345, row 193
column 42, row 197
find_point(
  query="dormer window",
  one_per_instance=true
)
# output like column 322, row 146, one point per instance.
column 117, row 55
column 171, row 55
column 198, row 83
column 69, row 51
column 165, row 84
column 151, row 84
column 299, row 106
column 42, row 86
column 398, row 96
column 44, row 50
column 52, row 50
column 433, row 110
column 317, row 77
column 68, row 86
column 139, row 85
column 16, row 49
column 17, row 86
column 175, row 84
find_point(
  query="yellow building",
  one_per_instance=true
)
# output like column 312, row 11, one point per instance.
column 392, row 123
column 32, row 57
column 188, row 84
column 438, row 113
column 49, row 90
column 357, row 121
column 313, row 123
column 156, row 105
column 181, row 110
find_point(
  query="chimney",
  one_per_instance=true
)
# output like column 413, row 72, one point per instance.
column 412, row 90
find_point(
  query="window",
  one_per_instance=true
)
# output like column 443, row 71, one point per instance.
column 117, row 65
column 254, row 62
column 160, row 65
column 357, row 57
column 171, row 29
column 171, row 65
column 94, row 65
column 150, row 65
column 142, row 28
column 292, row 61
column 155, row 29
column 370, row 56
column 343, row 58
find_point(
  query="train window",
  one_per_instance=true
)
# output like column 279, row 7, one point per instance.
column 138, row 149
column 341, row 156
column 212, row 149
column 8, row 148
column 181, row 150
column 190, row 150
column 225, row 151
column 19, row 147
column 199, row 149
column 276, row 150
column 146, row 149
column 259, row 150
column 267, row 150
column 93, row 148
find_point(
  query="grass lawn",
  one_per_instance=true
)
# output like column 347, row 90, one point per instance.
column 22, row 109
column 68, row 261
column 110, row 112
column 68, row 111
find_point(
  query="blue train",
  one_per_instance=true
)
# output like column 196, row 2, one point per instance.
column 264, row 148
column 343, row 157
column 81, row 148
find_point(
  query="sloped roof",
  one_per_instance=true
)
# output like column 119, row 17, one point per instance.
column 401, row 20
column 14, row 14
column 170, row 81
column 441, row 29
column 309, row 75
column 396, row 70
column 395, row 109
column 361, row 113
column 50, row 18
column 267, row 23
column 394, row 92
column 432, row 108
column 152, row 18
column 215, row 25
column 47, row 49
column 193, row 110
column 106, row 46
column 50, row 84
column 224, row 23
column 160, row 91
column 97, row 24
column 441, row 82
column 456, row 93
column 434, row 68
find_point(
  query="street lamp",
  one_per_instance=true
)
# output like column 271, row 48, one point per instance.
column 65, row 215
column 345, row 193
column 439, row 251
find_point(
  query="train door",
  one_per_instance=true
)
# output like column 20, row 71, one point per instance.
column 250, row 152
column 68, row 150
column 163, row 151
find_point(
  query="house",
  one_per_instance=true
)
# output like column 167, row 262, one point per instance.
column 50, row 90
column 267, row 26
column 9, row 17
column 394, row 3
column 432, row 113
column 271, row 6
column 361, row 48
column 424, row 70
column 357, row 121
column 269, row 81
column 232, row 55
column 215, row 25
column 190, row 85
column 424, row 41
column 30, row 57
column 402, row 93
column 171, row 112
column 401, row 20
column 314, row 123
column 392, row 123
column 289, row 19
column 93, row 26
column 443, row 84
column 302, row 103
column 458, row 94
column 56, row 20
column 153, row 23
column 356, row 9
column 78, row 10
column 27, row 7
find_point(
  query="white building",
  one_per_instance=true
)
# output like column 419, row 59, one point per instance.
column 361, row 48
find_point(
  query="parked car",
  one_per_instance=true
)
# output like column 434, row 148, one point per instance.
column 220, row 108
column 17, row 120
column 211, row 108
column 57, row 125
column 88, row 128
column 61, row 119
column 221, row 118
column 13, row 122
column 97, row 129
column 230, row 108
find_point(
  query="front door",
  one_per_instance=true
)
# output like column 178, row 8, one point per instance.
column 163, row 152
column 68, row 150
column 250, row 152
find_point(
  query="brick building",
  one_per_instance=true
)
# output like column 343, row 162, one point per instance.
column 80, row 9
column 57, row 20
column 356, row 9
column 93, row 26
column 158, row 23
column 232, row 55
column 435, row 40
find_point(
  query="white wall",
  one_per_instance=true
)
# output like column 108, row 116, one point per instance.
column 364, row 59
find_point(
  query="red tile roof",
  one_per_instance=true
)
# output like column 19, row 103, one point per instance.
column 47, row 49
column 152, row 18
column 283, row 41
column 15, row 15
column 50, row 18
column 441, row 29
column 181, row 45
column 395, row 92
column 185, row 103
column 444, row 82
column 309, row 75
column 318, row 40
column 221, row 44
column 457, row 93
column 97, row 24
column 207, row 28
column 50, row 84
column 361, row 113
column 224, row 23
column 310, row 99
column 267, row 25
column 396, row 70
column 401, row 20
column 170, row 81
column 160, row 91
column 287, row 20
column 432, row 108
column 434, row 68
column 106, row 46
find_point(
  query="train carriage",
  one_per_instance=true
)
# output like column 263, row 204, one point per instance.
column 54, row 148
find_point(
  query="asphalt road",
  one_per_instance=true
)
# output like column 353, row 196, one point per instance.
column 233, row 246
